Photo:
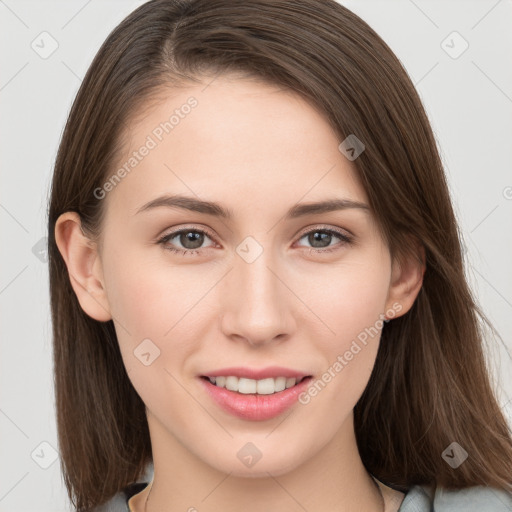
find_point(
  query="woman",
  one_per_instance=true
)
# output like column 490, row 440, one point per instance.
column 256, row 275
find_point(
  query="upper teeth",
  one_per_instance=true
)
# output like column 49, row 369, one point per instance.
column 261, row 387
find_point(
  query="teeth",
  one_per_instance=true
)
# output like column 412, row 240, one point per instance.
column 247, row 386
column 232, row 383
column 251, row 386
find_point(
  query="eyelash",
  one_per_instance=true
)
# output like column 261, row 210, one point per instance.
column 183, row 252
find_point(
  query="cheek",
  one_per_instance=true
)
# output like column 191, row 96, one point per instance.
column 150, row 305
column 352, row 307
column 149, row 297
column 156, row 302
column 348, row 299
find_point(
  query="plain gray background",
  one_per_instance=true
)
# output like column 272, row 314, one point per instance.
column 468, row 96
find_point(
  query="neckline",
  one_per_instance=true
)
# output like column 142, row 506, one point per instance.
column 134, row 489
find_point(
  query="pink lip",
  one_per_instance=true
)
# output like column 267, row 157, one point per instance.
column 256, row 374
column 252, row 406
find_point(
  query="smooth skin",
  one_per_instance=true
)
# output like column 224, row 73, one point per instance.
column 257, row 150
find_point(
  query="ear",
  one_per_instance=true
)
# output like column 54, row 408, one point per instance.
column 84, row 266
column 406, row 280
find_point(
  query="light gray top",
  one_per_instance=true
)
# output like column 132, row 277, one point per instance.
column 471, row 499
column 417, row 499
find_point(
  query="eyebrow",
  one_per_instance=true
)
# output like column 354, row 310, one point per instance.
column 215, row 209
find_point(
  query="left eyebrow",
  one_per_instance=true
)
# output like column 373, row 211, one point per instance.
column 217, row 210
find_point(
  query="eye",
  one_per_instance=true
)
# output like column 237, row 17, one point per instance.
column 320, row 239
column 191, row 240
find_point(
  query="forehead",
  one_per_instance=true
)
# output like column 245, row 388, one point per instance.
column 236, row 141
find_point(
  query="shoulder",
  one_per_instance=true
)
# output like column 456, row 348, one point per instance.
column 479, row 498
column 471, row 499
column 119, row 502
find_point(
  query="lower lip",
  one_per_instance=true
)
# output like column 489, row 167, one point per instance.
column 252, row 406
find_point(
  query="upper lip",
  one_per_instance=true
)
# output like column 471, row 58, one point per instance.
column 256, row 373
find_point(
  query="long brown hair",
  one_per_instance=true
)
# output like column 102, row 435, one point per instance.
column 430, row 385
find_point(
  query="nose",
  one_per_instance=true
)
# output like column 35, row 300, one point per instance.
column 256, row 303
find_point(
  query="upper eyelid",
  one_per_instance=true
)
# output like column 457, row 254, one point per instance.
column 325, row 227
column 176, row 232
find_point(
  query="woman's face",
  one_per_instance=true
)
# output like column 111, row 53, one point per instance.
column 271, row 284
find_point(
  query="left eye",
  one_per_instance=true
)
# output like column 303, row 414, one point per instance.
column 323, row 237
column 191, row 240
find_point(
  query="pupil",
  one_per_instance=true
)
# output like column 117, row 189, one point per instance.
column 191, row 240
column 324, row 237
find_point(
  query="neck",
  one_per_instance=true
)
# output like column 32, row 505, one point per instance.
column 334, row 478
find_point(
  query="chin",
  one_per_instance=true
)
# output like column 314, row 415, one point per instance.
column 274, row 465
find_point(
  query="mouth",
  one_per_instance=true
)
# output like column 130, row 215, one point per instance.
column 255, row 399
column 247, row 386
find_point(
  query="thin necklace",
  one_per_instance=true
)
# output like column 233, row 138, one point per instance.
column 373, row 478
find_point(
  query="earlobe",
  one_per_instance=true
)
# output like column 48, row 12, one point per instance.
column 407, row 280
column 84, row 266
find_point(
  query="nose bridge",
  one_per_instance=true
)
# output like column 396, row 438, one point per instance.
column 257, row 309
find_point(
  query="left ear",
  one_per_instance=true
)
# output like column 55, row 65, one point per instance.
column 406, row 279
